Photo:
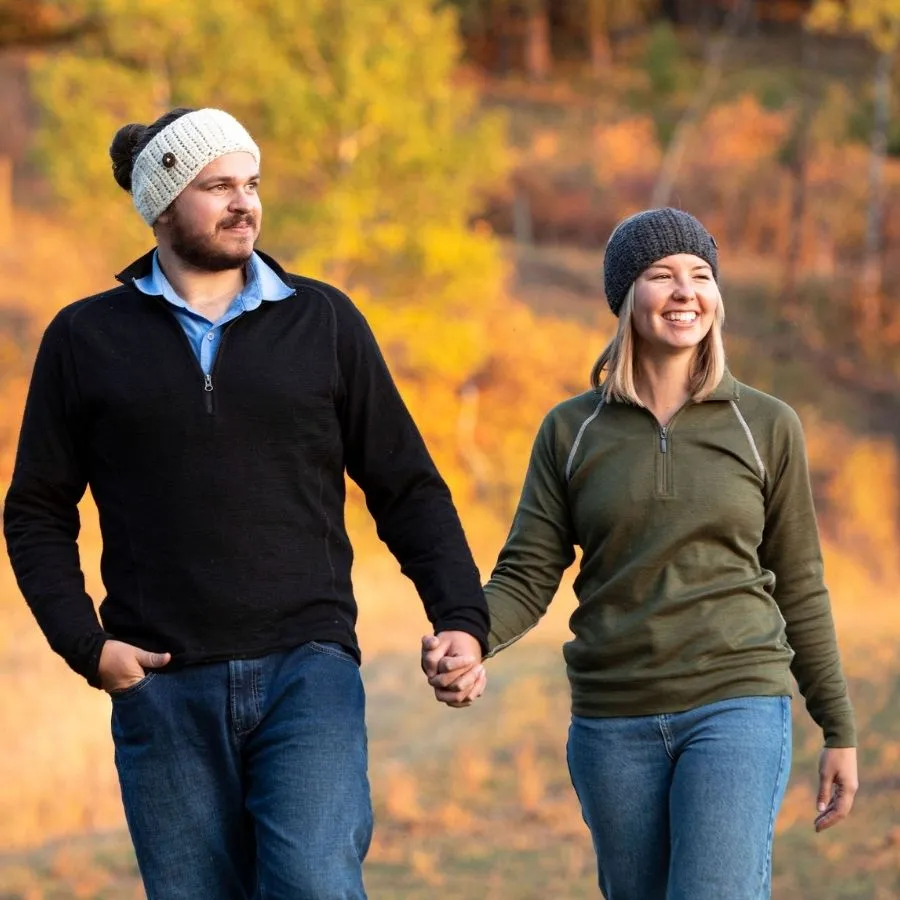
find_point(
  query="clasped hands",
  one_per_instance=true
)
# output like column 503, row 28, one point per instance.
column 451, row 661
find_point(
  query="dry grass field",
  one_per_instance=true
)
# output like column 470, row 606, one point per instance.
column 468, row 803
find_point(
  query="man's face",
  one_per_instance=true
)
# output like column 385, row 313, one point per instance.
column 214, row 222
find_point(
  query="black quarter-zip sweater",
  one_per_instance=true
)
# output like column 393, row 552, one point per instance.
column 222, row 511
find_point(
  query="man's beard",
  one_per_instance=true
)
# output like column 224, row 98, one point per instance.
column 200, row 250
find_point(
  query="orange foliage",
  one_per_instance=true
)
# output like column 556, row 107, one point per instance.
column 738, row 137
column 626, row 150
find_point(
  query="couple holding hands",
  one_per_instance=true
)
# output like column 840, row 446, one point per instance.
column 214, row 403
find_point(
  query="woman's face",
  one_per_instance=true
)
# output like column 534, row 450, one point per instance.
column 675, row 304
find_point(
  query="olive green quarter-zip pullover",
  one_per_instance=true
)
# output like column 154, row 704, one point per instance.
column 701, row 575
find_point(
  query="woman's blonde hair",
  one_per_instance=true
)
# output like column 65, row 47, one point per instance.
column 619, row 359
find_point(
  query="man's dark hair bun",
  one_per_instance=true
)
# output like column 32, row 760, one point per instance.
column 122, row 152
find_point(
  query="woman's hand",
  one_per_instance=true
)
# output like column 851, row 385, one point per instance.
column 838, row 784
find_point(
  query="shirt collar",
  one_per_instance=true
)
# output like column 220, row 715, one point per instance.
column 263, row 283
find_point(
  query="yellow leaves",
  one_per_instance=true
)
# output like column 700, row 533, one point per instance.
column 877, row 20
column 448, row 249
column 865, row 490
column 827, row 15
column 858, row 490
column 366, row 138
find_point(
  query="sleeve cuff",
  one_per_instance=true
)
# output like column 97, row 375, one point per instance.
column 840, row 734
column 478, row 631
column 85, row 658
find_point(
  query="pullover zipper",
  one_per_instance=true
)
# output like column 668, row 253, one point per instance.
column 208, row 388
column 665, row 461
column 208, row 379
column 185, row 342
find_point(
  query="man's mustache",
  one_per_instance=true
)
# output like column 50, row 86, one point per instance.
column 238, row 219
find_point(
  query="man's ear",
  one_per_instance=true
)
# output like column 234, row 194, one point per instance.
column 165, row 217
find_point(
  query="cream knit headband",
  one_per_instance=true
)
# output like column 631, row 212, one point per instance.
column 174, row 158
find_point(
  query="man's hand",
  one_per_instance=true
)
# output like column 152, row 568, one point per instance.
column 838, row 784
column 451, row 660
column 122, row 665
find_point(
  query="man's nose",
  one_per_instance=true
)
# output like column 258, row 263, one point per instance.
column 240, row 201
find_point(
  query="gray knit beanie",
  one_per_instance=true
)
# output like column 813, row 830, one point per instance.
column 640, row 240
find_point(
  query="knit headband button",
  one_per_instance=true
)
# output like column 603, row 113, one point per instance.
column 184, row 147
column 647, row 237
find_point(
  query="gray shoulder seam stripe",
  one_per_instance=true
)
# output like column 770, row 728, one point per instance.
column 578, row 438
column 759, row 463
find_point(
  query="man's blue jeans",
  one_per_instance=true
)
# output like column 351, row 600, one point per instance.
column 247, row 779
column 682, row 806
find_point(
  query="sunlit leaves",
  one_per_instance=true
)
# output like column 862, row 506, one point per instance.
column 877, row 20
column 374, row 154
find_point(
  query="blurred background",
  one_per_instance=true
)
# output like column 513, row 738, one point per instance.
column 456, row 167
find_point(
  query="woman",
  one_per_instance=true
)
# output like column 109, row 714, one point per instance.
column 700, row 589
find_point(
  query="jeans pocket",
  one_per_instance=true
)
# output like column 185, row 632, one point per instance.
column 133, row 689
column 333, row 648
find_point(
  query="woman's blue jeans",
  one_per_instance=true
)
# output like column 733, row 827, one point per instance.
column 247, row 779
column 682, row 806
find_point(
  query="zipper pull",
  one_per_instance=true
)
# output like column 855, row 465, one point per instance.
column 207, row 383
column 662, row 438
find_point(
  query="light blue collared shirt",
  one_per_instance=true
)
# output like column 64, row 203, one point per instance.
column 263, row 283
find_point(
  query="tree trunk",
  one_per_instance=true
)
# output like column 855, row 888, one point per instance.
column 871, row 275
column 797, row 166
column 6, row 201
column 715, row 59
column 538, row 56
column 598, row 38
column 501, row 27
column 523, row 225
column 475, row 460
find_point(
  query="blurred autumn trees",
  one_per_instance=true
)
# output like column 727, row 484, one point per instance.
column 42, row 23
column 376, row 158
column 506, row 35
column 408, row 143
column 878, row 22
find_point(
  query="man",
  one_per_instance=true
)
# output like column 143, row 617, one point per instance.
column 213, row 403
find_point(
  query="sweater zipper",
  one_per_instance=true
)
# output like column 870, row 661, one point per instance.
column 666, row 460
column 664, row 450
column 208, row 388
column 185, row 342
column 208, row 378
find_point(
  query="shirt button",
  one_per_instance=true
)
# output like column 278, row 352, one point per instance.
column 209, row 336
